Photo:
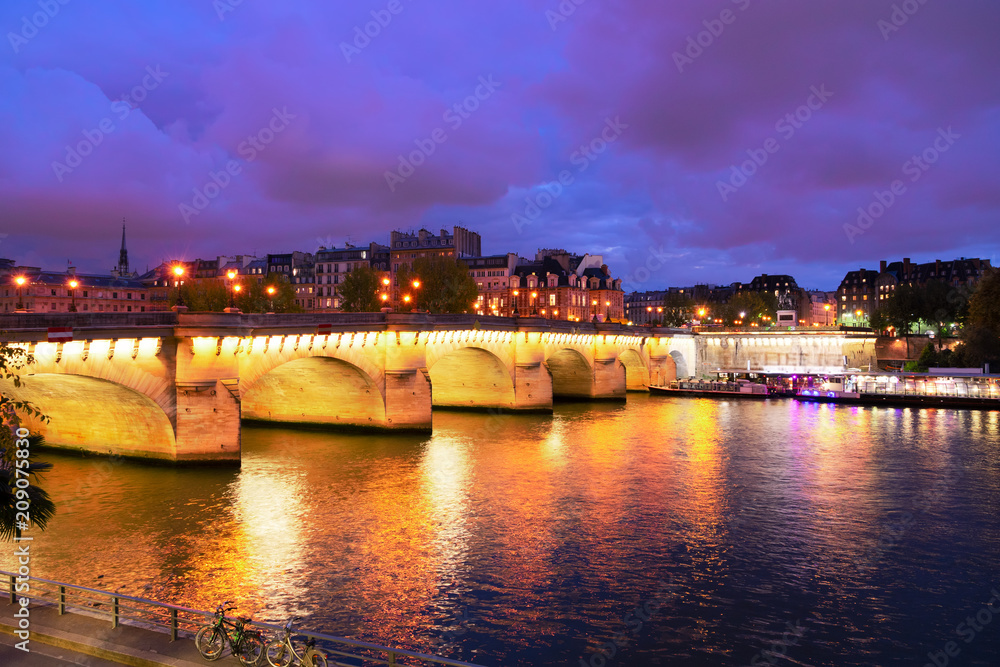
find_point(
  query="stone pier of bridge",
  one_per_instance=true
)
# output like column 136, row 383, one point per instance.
column 176, row 387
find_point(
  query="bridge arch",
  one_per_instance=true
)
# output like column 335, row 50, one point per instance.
column 636, row 370
column 315, row 390
column 85, row 410
column 471, row 377
column 572, row 374
column 680, row 364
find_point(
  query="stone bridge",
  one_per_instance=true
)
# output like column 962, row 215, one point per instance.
column 175, row 387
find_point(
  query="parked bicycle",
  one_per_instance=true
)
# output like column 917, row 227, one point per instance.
column 247, row 643
column 281, row 652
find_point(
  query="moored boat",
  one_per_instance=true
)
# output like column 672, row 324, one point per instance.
column 738, row 389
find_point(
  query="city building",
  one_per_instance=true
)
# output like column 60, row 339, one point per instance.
column 558, row 285
column 961, row 272
column 333, row 265
column 492, row 274
column 30, row 289
column 299, row 269
column 406, row 247
column 856, row 297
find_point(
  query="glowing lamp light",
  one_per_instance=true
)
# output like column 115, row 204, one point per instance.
column 385, row 297
column 406, row 298
column 237, row 288
column 178, row 270
column 385, row 281
column 416, row 284
column 230, row 274
column 73, row 284
column 270, row 289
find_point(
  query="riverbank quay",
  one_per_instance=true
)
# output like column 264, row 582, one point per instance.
column 154, row 627
column 94, row 637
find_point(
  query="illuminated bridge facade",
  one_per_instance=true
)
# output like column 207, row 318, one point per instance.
column 176, row 387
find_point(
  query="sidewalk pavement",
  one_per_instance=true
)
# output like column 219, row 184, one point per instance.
column 78, row 636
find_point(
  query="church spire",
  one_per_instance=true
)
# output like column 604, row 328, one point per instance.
column 123, row 255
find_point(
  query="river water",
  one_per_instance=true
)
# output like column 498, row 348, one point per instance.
column 663, row 531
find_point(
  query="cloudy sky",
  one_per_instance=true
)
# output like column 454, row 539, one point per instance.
column 687, row 141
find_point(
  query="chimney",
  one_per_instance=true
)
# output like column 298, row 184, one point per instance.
column 863, row 274
column 906, row 267
column 937, row 268
column 881, row 266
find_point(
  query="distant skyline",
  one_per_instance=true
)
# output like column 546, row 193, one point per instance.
column 731, row 137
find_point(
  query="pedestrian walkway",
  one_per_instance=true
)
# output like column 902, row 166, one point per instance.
column 76, row 639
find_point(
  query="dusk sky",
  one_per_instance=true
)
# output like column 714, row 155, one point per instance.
column 651, row 112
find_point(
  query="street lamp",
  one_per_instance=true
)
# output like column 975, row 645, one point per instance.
column 516, row 314
column 534, row 306
column 827, row 309
column 72, row 292
column 857, row 315
column 232, row 295
column 593, row 303
column 607, row 311
column 20, row 282
column 178, row 273
column 270, row 294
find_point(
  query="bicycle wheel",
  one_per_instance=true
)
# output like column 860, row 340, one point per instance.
column 317, row 660
column 278, row 654
column 251, row 650
column 210, row 641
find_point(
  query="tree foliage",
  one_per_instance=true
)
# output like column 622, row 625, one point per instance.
column 754, row 305
column 252, row 297
column 981, row 334
column 14, row 467
column 205, row 295
column 984, row 305
column 359, row 293
column 445, row 285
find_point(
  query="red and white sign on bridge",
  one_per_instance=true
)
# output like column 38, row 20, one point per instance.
column 60, row 334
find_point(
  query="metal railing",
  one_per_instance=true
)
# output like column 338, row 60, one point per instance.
column 181, row 621
column 957, row 389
